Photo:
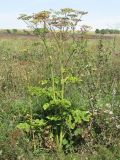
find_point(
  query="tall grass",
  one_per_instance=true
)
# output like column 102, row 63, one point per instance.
column 25, row 63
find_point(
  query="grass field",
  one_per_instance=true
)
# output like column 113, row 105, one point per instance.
column 59, row 100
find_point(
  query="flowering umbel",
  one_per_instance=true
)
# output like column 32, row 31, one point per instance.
column 64, row 19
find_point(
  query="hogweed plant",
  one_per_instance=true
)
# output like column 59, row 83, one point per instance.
column 55, row 113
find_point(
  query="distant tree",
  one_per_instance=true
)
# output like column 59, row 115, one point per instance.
column 8, row 31
column 38, row 31
column 97, row 31
column 117, row 31
column 103, row 31
column 107, row 31
column 14, row 31
column 26, row 32
column 111, row 31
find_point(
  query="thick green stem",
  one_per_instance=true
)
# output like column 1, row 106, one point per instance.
column 59, row 140
column 62, row 83
column 51, row 65
column 52, row 77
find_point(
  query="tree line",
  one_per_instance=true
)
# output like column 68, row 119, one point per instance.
column 107, row 31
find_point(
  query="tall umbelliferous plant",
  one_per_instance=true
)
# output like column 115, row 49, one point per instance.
column 60, row 25
column 56, row 111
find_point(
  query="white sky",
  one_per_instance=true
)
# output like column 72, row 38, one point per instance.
column 101, row 13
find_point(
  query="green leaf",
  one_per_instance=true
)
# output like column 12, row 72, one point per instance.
column 65, row 141
column 69, row 122
column 77, row 116
column 53, row 118
column 85, row 115
column 72, row 79
column 78, row 131
column 38, row 123
column 46, row 106
column 80, row 116
column 65, row 103
column 24, row 126
column 44, row 82
column 60, row 103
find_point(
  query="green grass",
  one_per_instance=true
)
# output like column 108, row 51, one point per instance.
column 25, row 63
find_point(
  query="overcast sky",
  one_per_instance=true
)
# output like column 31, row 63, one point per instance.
column 101, row 13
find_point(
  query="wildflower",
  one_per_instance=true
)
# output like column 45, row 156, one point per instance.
column 110, row 112
column 95, row 112
column 118, row 126
column 108, row 105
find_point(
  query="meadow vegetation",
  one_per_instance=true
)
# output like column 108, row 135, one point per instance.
column 60, row 95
